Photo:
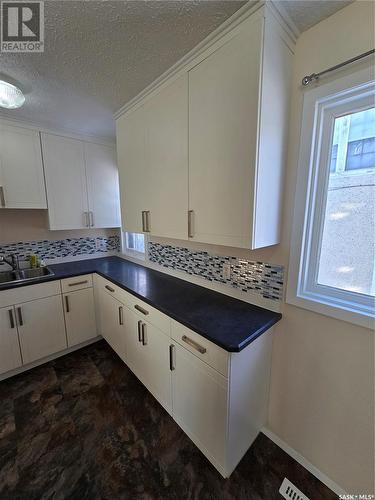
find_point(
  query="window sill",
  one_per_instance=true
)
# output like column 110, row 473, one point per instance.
column 133, row 254
column 345, row 312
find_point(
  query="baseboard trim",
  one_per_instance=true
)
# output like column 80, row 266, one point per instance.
column 51, row 357
column 304, row 462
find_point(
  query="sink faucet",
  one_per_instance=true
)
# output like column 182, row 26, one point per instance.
column 11, row 260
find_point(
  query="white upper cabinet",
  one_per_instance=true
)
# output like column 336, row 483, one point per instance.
column 167, row 147
column 202, row 157
column 81, row 182
column 238, row 99
column 102, row 183
column 133, row 170
column 153, row 163
column 64, row 165
column 21, row 169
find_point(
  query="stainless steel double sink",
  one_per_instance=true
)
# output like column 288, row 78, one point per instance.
column 21, row 275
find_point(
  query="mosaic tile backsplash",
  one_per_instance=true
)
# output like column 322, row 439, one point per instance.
column 255, row 277
column 70, row 247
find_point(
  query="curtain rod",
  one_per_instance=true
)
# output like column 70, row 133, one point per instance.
column 315, row 76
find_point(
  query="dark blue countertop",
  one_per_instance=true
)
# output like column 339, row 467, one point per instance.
column 230, row 323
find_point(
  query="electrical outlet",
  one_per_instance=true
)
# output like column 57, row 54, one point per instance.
column 226, row 271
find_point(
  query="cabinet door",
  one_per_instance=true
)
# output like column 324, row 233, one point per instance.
column 79, row 313
column 167, row 156
column 133, row 169
column 112, row 320
column 134, row 350
column 10, row 354
column 153, row 363
column 65, row 181
column 199, row 395
column 223, row 127
column 102, row 185
column 21, row 169
column 41, row 328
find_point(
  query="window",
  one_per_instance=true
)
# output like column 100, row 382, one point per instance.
column 135, row 244
column 332, row 264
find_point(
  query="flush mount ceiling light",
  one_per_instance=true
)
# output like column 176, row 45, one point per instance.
column 11, row 97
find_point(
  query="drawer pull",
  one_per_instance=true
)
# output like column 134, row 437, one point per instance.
column 11, row 318
column 140, row 309
column 109, row 288
column 172, row 365
column 76, row 283
column 194, row 344
column 121, row 315
column 139, row 331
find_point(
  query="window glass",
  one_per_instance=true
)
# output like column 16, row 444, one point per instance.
column 135, row 242
column 348, row 242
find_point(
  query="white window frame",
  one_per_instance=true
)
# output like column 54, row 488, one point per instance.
column 129, row 251
column 321, row 105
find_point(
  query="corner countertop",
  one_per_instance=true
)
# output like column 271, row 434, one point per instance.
column 228, row 322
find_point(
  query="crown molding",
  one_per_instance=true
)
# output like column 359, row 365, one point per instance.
column 213, row 38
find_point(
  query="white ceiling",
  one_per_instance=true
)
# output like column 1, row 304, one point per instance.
column 100, row 54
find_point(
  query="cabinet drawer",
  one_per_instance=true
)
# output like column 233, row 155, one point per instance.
column 143, row 310
column 76, row 283
column 29, row 292
column 213, row 355
column 148, row 313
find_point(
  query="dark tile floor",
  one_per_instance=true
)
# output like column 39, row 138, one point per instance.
column 83, row 427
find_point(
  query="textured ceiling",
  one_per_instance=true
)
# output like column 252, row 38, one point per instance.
column 100, row 54
column 307, row 13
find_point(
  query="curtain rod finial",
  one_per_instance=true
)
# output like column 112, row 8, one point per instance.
column 309, row 78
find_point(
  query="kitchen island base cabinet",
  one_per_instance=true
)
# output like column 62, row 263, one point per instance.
column 41, row 328
column 10, row 355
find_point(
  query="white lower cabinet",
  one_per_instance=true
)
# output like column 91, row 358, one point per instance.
column 79, row 311
column 10, row 354
column 41, row 328
column 200, row 401
column 218, row 398
column 112, row 323
column 148, row 357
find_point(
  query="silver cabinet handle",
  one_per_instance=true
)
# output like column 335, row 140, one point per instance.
column 91, row 218
column 194, row 344
column 86, row 217
column 148, row 224
column 172, row 365
column 67, row 303
column 144, row 333
column 109, row 288
column 76, row 283
column 140, row 309
column 20, row 318
column 121, row 315
column 190, row 224
column 144, row 221
column 2, row 197
column 11, row 318
column 139, row 331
